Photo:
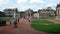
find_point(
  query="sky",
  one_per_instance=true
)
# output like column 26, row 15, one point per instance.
column 23, row 5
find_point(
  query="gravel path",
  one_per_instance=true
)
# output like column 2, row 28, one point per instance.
column 23, row 28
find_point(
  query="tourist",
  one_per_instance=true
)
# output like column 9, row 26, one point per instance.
column 29, row 19
column 18, row 20
column 15, row 23
column 10, row 22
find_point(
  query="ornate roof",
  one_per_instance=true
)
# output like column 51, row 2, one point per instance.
column 58, row 5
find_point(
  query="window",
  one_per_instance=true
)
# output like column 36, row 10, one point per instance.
column 9, row 13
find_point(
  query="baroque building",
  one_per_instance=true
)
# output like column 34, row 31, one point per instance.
column 13, row 13
column 46, row 13
column 58, row 10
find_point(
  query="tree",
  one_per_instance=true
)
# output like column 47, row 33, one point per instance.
column 39, row 10
column 16, row 9
column 44, row 9
column 49, row 8
column 2, row 14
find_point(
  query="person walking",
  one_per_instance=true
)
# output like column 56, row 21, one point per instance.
column 15, row 23
column 18, row 20
column 10, row 22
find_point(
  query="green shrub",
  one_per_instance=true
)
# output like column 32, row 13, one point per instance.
column 5, row 18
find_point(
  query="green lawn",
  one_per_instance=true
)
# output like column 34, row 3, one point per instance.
column 45, row 25
column 5, row 18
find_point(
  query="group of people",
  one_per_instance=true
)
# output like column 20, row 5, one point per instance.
column 16, row 21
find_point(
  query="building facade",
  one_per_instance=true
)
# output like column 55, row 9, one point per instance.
column 29, row 13
column 13, row 13
column 58, row 11
column 46, row 13
column 35, row 14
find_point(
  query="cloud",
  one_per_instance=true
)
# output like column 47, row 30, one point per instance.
column 22, row 1
column 33, row 7
column 26, row 4
column 36, row 1
column 50, row 5
column 2, row 2
column 40, row 8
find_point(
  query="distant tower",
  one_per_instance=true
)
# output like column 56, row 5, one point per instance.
column 58, row 10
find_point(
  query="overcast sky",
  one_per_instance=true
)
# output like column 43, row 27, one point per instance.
column 26, row 4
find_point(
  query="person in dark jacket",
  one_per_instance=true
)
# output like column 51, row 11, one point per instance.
column 15, row 23
column 18, row 20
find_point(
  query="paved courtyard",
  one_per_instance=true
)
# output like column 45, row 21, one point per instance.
column 23, row 28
